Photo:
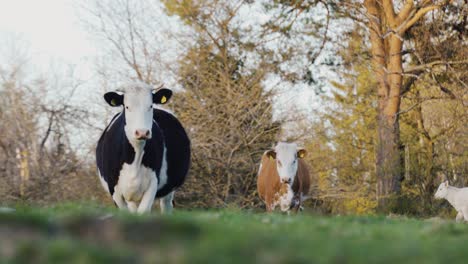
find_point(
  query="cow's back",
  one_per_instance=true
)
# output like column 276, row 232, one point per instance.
column 178, row 150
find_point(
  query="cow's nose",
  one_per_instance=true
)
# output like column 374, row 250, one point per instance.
column 141, row 134
column 288, row 181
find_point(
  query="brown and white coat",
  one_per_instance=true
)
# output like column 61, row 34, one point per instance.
column 283, row 178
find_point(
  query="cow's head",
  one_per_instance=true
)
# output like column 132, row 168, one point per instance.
column 286, row 156
column 137, row 100
column 442, row 191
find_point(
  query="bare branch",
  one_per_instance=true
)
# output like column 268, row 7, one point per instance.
column 416, row 17
column 389, row 12
column 405, row 11
column 432, row 64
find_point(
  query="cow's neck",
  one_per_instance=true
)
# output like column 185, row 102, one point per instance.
column 138, row 147
column 452, row 191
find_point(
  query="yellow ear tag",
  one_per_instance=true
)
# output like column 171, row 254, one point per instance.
column 301, row 155
column 271, row 158
column 113, row 102
column 163, row 100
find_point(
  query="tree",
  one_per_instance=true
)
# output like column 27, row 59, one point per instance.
column 387, row 29
column 138, row 41
column 345, row 135
column 224, row 106
column 38, row 162
column 398, row 64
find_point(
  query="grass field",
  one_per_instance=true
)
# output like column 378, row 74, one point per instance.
column 74, row 233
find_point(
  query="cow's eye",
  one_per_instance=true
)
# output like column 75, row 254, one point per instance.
column 126, row 107
column 279, row 163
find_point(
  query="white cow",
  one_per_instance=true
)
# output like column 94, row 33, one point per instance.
column 457, row 197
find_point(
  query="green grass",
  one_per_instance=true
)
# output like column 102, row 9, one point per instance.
column 74, row 233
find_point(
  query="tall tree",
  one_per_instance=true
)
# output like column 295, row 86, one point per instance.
column 387, row 27
column 389, row 24
column 224, row 105
column 348, row 117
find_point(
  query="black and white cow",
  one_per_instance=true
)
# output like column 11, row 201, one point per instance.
column 144, row 152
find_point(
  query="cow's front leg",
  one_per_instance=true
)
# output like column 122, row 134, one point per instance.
column 459, row 217
column 270, row 204
column 148, row 197
column 118, row 199
column 166, row 203
column 465, row 213
column 296, row 203
column 132, row 206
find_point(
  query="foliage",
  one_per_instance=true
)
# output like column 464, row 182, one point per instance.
column 432, row 117
column 345, row 136
column 39, row 118
column 224, row 107
column 434, row 114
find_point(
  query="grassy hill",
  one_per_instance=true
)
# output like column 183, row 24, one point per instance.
column 90, row 234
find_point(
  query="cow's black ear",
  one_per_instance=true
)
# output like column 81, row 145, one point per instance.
column 271, row 154
column 114, row 99
column 301, row 153
column 162, row 96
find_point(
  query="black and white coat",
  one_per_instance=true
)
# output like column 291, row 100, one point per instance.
column 144, row 152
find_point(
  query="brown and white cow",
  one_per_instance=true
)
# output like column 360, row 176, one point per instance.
column 283, row 177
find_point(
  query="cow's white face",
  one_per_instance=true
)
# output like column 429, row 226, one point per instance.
column 137, row 100
column 287, row 156
column 138, row 105
column 442, row 191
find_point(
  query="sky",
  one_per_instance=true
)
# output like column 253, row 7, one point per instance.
column 50, row 27
column 55, row 36
column 54, row 40
column 52, row 32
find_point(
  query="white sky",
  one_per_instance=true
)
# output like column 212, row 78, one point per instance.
column 50, row 26
column 54, row 36
column 53, row 33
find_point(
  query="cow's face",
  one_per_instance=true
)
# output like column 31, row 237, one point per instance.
column 138, row 101
column 287, row 156
column 442, row 191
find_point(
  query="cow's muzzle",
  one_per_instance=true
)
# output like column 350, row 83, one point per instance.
column 142, row 134
column 287, row 181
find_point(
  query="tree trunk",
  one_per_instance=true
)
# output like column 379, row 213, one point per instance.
column 387, row 29
column 387, row 65
column 389, row 164
column 389, row 158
